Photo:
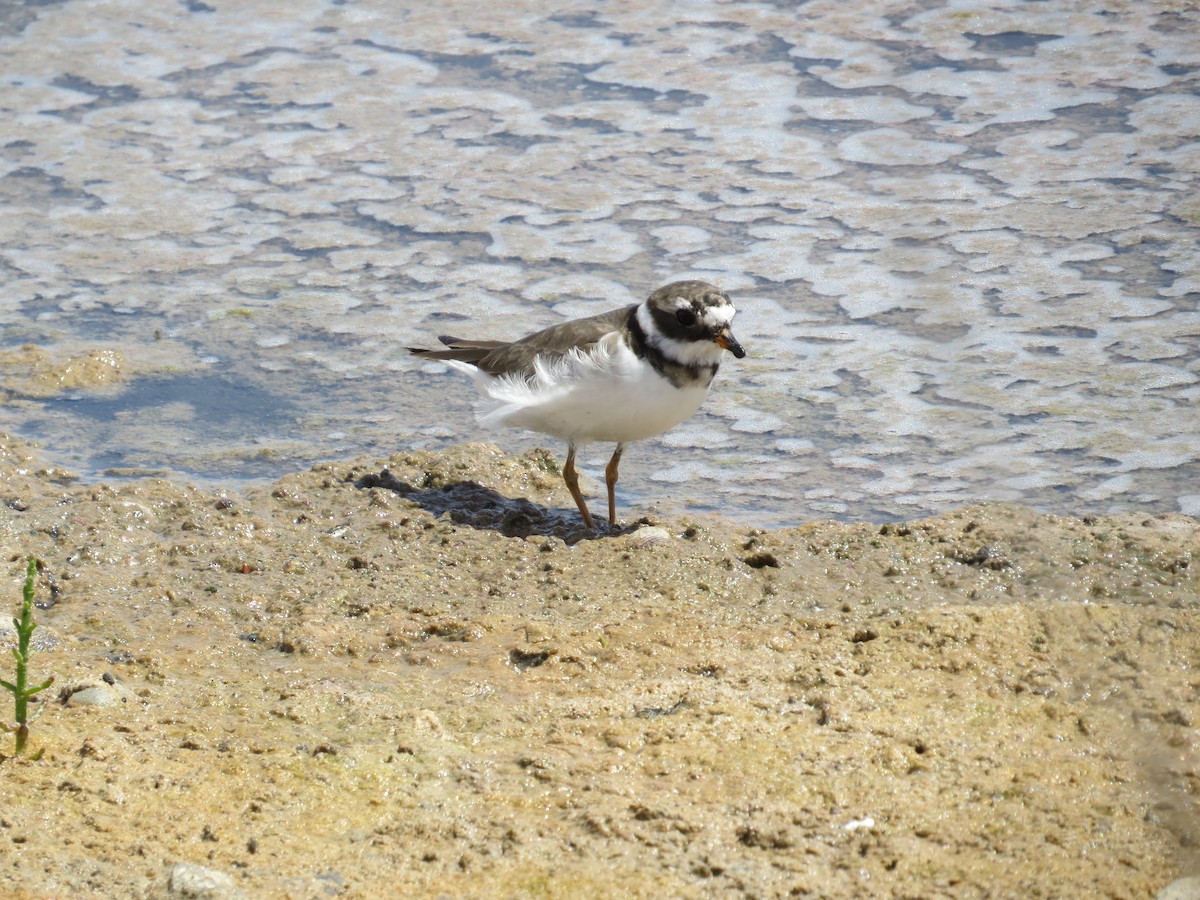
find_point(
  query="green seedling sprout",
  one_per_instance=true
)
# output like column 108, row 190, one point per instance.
column 21, row 691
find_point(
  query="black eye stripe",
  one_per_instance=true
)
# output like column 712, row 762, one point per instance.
column 688, row 316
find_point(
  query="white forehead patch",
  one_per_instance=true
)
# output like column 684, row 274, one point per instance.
column 712, row 314
column 719, row 315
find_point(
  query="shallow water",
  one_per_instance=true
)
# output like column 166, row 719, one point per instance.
column 962, row 237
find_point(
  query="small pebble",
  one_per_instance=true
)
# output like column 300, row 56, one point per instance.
column 855, row 824
column 191, row 880
column 98, row 693
column 1181, row 889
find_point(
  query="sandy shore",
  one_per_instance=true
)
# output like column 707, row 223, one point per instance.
column 422, row 681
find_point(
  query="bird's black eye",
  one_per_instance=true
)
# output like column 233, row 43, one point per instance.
column 686, row 318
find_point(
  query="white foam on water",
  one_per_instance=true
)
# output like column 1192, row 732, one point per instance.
column 964, row 258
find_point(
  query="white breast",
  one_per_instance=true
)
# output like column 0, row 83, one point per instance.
column 606, row 395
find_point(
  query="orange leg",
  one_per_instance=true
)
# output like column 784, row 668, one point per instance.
column 610, row 478
column 571, row 477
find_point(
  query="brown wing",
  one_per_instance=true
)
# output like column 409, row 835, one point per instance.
column 501, row 357
column 461, row 349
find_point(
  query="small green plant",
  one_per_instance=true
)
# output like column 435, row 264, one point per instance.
column 20, row 690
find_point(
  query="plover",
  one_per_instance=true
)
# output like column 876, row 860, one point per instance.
column 619, row 376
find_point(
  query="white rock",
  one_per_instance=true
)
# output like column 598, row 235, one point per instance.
column 191, row 880
column 1181, row 889
column 97, row 692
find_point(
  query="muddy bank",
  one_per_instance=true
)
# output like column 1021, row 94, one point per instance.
column 416, row 675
